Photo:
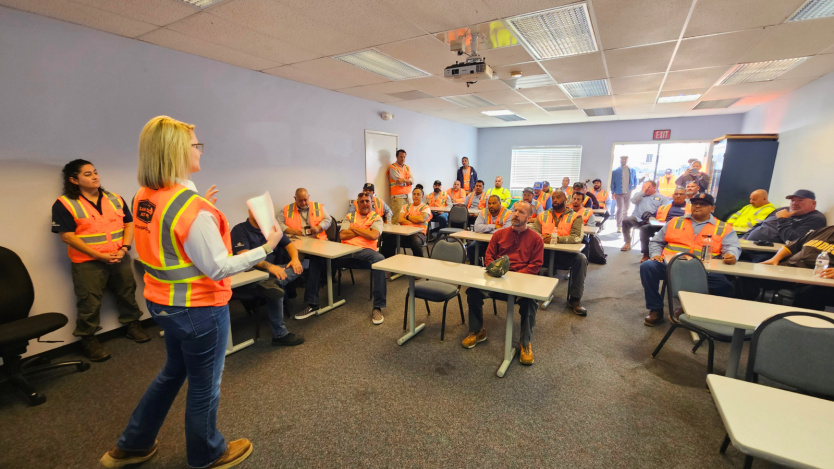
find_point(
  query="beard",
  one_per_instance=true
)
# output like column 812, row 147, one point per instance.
column 436, row 190
column 559, row 206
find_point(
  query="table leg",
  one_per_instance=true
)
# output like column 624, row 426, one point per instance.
column 330, row 304
column 396, row 276
column 735, row 353
column 232, row 348
column 551, row 274
column 509, row 350
column 412, row 330
column 478, row 252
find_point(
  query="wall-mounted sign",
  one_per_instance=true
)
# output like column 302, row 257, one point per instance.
column 662, row 134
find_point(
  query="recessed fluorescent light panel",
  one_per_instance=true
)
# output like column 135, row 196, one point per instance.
column 558, row 32
column 502, row 112
column 599, row 111
column 682, row 98
column 202, row 3
column 511, row 118
column 716, row 104
column 586, row 89
column 534, row 81
column 379, row 63
column 760, row 71
column 559, row 108
column 813, row 9
column 468, row 100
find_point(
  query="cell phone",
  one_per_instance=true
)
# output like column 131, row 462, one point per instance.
column 307, row 231
column 763, row 243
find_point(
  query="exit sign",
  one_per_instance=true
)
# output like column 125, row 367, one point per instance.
column 662, row 134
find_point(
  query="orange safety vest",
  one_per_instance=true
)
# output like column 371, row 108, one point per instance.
column 666, row 187
column 568, row 191
column 499, row 220
column 292, row 218
column 457, row 196
column 357, row 221
column 541, row 198
column 535, row 204
column 441, row 200
column 415, row 210
column 481, row 202
column 601, row 196
column 163, row 218
column 102, row 232
column 548, row 223
column 663, row 211
column 378, row 207
column 405, row 173
column 681, row 238
column 467, row 175
column 586, row 214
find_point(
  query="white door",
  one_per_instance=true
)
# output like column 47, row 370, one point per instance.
column 380, row 152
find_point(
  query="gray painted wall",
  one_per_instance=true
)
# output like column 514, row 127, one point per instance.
column 71, row 92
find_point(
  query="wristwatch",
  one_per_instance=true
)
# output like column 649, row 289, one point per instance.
column 127, row 246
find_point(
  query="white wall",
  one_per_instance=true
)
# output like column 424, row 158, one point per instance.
column 597, row 140
column 71, row 92
column 804, row 120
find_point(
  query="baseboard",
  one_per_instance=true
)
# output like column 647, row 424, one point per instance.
column 75, row 346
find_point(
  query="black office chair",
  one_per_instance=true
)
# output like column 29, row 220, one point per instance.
column 458, row 220
column 17, row 328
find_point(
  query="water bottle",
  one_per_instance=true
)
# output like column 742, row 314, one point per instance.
column 822, row 263
column 706, row 250
column 554, row 238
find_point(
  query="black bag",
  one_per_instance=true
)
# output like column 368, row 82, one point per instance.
column 593, row 250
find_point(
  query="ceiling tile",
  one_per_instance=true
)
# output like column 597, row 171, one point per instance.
column 411, row 95
column 426, row 53
column 639, row 60
column 830, row 50
column 813, row 67
column 505, row 8
column 391, row 87
column 756, row 100
column 505, row 56
column 739, row 90
column 639, row 109
column 636, row 84
column 363, row 92
column 790, row 40
column 527, row 111
column 84, row 15
column 544, row 93
column 700, row 78
column 527, row 70
column 221, row 31
column 673, row 108
column 721, row 16
column 503, row 97
column 637, row 22
column 720, row 49
column 443, row 15
column 158, row 12
column 582, row 67
column 683, row 92
column 174, row 40
column 634, row 99
column 594, row 102
column 433, row 104
column 436, row 86
column 485, row 85
column 561, row 102
column 291, row 73
column 346, row 73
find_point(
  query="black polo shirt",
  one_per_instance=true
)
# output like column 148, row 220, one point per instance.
column 63, row 222
column 246, row 237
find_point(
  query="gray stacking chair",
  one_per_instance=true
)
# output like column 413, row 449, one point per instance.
column 689, row 275
column 458, row 220
column 793, row 355
column 446, row 249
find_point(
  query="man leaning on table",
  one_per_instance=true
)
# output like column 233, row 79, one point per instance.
column 524, row 248
column 787, row 224
column 565, row 226
column 304, row 217
column 686, row 234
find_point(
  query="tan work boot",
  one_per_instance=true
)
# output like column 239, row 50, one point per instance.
column 118, row 457
column 526, row 356
column 655, row 318
column 92, row 349
column 236, row 452
column 474, row 338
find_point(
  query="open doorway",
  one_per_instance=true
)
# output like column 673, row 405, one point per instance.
column 651, row 160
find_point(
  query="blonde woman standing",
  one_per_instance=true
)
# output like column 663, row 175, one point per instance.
column 184, row 243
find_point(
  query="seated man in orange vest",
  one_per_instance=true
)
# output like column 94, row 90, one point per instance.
column 540, row 196
column 560, row 225
column 602, row 198
column 439, row 199
column 475, row 200
column 494, row 217
column 524, row 249
column 587, row 214
column 687, row 234
column 415, row 214
column 456, row 194
column 304, row 218
column 677, row 208
column 377, row 205
column 535, row 205
column 588, row 200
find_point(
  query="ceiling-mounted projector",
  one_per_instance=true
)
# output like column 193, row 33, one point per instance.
column 474, row 69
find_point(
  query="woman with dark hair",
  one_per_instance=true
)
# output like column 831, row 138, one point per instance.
column 416, row 214
column 97, row 227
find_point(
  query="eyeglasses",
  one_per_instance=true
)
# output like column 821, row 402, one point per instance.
column 198, row 146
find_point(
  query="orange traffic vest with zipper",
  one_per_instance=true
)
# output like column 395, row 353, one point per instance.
column 541, row 198
column 415, row 211
column 663, row 211
column 292, row 217
column 457, row 196
column 467, row 176
column 437, row 200
column 358, row 221
column 503, row 217
column 378, row 207
column 162, row 219
column 601, row 196
column 548, row 223
column 405, row 173
column 666, row 186
column 586, row 214
column 681, row 238
column 102, row 232
column 481, row 202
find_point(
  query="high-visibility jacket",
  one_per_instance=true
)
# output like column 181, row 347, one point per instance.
column 377, row 207
column 437, row 200
column 405, row 173
column 503, row 217
column 568, row 192
column 163, row 218
column 292, row 217
column 750, row 216
column 457, row 197
column 412, row 210
column 502, row 193
column 102, row 232
column 666, row 186
column 467, row 178
column 542, row 198
column 586, row 215
column 601, row 195
column 663, row 211
column 680, row 237
column 358, row 221
column 481, row 202
column 548, row 223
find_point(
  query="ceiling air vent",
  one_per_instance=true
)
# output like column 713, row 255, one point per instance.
column 716, row 104
column 558, row 32
column 599, row 111
column 411, row 95
column 468, row 100
column 760, row 71
column 533, row 81
column 202, row 3
column 376, row 62
column 511, row 118
column 586, row 89
column 813, row 9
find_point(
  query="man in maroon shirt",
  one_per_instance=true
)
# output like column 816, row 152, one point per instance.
column 525, row 249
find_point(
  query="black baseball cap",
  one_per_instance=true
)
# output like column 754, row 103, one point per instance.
column 595, row 180
column 702, row 198
column 437, row 183
column 368, row 187
column 805, row 194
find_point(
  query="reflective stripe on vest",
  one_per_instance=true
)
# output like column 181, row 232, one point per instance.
column 441, row 199
column 314, row 217
column 363, row 224
column 467, row 174
column 101, row 231
column 501, row 219
column 411, row 212
column 677, row 240
column 548, row 223
column 173, row 267
column 405, row 173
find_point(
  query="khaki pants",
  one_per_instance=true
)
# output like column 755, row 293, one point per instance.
column 90, row 279
column 397, row 204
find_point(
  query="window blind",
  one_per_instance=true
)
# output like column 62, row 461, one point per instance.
column 531, row 164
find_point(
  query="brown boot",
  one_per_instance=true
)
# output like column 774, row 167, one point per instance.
column 655, row 318
column 577, row 307
column 474, row 338
column 236, row 452
column 677, row 314
column 136, row 333
column 93, row 350
column 118, row 457
column 626, row 247
column 526, row 356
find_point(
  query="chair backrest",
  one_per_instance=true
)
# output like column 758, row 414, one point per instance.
column 449, row 249
column 792, row 354
column 684, row 274
column 459, row 216
column 17, row 294
column 332, row 231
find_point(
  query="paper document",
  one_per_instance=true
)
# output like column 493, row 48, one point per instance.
column 264, row 213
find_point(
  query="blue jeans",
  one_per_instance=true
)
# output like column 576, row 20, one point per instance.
column 442, row 219
column 274, row 308
column 195, row 342
column 652, row 272
column 360, row 260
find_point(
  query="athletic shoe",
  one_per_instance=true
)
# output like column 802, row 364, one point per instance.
column 310, row 310
column 377, row 317
column 117, row 457
column 474, row 338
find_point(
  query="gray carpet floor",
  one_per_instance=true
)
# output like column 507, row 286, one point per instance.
column 351, row 397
